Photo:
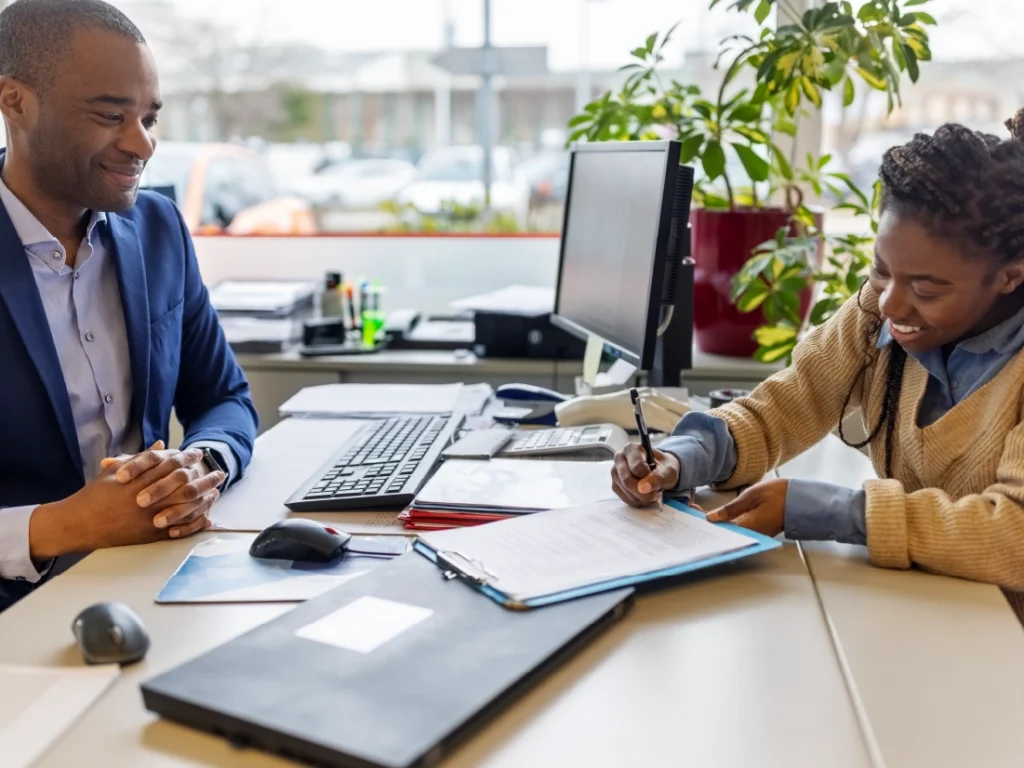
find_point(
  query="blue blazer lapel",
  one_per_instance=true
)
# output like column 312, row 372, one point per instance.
column 131, row 279
column 21, row 295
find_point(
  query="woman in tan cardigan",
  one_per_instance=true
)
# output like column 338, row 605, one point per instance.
column 930, row 352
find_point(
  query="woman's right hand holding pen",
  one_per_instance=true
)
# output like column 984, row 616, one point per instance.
column 636, row 483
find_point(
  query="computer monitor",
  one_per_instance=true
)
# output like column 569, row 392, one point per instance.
column 624, row 271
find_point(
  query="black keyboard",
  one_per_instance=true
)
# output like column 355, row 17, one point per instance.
column 383, row 465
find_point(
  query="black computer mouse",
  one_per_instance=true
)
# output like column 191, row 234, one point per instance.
column 297, row 539
column 110, row 633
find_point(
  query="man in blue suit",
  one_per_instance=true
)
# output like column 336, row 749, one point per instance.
column 105, row 324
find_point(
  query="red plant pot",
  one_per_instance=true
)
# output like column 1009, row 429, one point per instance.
column 723, row 241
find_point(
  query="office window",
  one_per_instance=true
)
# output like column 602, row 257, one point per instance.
column 369, row 117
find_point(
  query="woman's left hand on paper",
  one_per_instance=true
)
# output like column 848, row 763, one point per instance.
column 760, row 508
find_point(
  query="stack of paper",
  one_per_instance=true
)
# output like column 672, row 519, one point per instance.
column 464, row 493
column 372, row 401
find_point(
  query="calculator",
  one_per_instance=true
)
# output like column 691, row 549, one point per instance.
column 597, row 442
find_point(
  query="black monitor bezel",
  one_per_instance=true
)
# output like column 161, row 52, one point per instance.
column 644, row 357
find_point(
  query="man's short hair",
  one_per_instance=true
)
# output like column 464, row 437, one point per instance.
column 35, row 34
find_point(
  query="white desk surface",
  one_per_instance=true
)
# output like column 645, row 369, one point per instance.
column 937, row 664
column 736, row 669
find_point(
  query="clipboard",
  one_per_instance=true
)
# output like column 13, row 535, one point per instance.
column 453, row 565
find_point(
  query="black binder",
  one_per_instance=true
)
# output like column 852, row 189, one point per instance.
column 357, row 696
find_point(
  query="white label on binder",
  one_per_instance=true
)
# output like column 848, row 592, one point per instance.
column 364, row 624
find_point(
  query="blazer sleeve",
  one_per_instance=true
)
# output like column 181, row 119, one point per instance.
column 212, row 398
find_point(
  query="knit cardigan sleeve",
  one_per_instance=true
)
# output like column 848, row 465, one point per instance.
column 794, row 409
column 979, row 536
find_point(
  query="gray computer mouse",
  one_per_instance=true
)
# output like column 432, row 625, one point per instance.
column 295, row 538
column 110, row 633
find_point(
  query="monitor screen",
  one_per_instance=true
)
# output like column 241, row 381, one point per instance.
column 608, row 249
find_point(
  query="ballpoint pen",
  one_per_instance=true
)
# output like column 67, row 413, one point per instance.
column 641, row 426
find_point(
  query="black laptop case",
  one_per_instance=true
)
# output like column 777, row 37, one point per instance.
column 403, row 665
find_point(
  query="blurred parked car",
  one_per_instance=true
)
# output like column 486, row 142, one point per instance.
column 358, row 184
column 548, row 177
column 292, row 164
column 454, row 175
column 226, row 188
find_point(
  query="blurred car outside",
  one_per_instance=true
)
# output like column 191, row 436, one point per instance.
column 357, row 184
column 547, row 173
column 226, row 188
column 454, row 176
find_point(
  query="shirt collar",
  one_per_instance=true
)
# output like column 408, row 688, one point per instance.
column 30, row 230
column 1003, row 338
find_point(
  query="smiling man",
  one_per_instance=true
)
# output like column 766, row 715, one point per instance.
column 105, row 324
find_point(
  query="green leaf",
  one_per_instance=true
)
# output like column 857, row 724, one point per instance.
column 773, row 309
column 752, row 297
column 767, row 66
column 757, row 167
column 703, row 109
column 713, row 160
column 824, row 160
column 668, row 36
column 745, row 113
column 711, row 200
column 871, row 79
column 753, row 135
column 785, row 169
column 758, row 264
column 920, row 17
column 580, row 120
column 823, row 310
column 639, row 53
column 774, row 354
column 811, row 91
column 849, row 92
column 786, row 126
column 912, row 3
column 771, row 335
column 690, row 147
column 793, row 97
column 871, row 12
column 793, row 285
column 853, row 281
column 790, row 303
column 911, row 59
column 761, row 12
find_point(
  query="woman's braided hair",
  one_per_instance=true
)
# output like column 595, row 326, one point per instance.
column 960, row 185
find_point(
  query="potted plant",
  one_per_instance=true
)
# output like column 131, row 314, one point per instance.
column 749, row 193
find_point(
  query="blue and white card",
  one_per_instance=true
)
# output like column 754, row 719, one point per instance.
column 221, row 570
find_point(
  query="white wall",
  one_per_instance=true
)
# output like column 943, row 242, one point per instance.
column 424, row 273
